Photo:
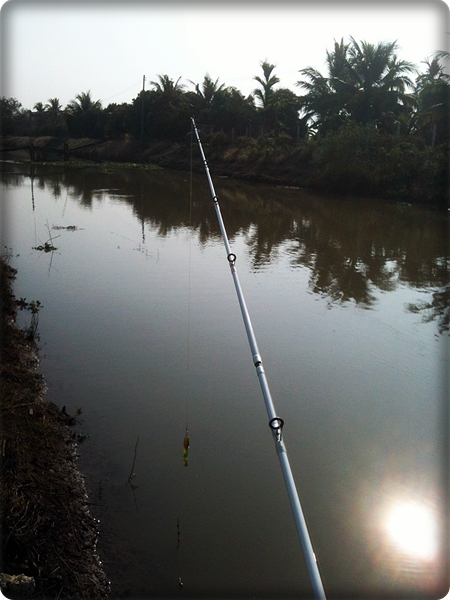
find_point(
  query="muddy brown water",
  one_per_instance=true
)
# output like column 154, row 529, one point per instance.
column 140, row 327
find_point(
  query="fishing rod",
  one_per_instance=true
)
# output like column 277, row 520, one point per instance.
column 275, row 422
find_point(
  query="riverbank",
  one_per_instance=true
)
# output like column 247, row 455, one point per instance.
column 49, row 537
column 345, row 162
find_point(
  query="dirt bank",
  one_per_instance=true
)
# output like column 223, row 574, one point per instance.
column 394, row 171
column 47, row 531
column 248, row 159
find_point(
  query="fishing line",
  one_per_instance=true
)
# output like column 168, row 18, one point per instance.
column 188, row 359
column 188, row 348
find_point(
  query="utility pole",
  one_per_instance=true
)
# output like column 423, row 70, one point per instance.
column 142, row 112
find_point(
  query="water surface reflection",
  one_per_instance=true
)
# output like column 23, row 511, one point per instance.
column 381, row 246
column 349, row 300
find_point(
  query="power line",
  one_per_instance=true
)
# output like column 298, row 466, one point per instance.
column 122, row 92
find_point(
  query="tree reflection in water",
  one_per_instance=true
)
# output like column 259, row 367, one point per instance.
column 352, row 246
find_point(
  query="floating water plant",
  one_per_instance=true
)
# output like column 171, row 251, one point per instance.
column 68, row 228
column 48, row 246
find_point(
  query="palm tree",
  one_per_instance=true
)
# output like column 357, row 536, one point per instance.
column 380, row 80
column 337, row 61
column 432, row 96
column 83, row 104
column 321, row 103
column 53, row 107
column 207, row 98
column 39, row 116
column 265, row 94
column 167, row 86
column 39, row 108
column 56, row 124
column 84, row 115
column 325, row 103
column 209, row 91
column 434, row 73
column 233, row 112
column 365, row 83
column 168, row 114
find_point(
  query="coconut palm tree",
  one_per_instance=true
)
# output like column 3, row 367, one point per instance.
column 84, row 115
column 325, row 103
column 83, row 104
column 209, row 91
column 168, row 109
column 322, row 103
column 55, row 117
column 432, row 93
column 167, row 86
column 38, row 117
column 365, row 82
column 379, row 79
column 207, row 99
column 53, row 107
column 39, row 108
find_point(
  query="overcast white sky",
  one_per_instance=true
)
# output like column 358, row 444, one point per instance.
column 61, row 48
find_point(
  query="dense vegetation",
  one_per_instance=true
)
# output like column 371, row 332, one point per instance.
column 372, row 124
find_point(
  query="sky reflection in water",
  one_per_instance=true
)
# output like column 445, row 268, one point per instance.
column 339, row 292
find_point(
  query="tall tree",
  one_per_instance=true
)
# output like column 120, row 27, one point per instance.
column 83, row 104
column 266, row 95
column 209, row 90
column 11, row 116
column 432, row 93
column 167, row 86
column 324, row 104
column 366, row 83
column 53, row 107
column 84, row 115
column 55, row 122
column 267, row 83
column 206, row 99
column 38, row 118
column 233, row 112
column 380, row 80
column 168, row 111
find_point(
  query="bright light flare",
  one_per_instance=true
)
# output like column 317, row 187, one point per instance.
column 413, row 529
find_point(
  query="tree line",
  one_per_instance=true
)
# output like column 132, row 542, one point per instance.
column 368, row 117
column 365, row 84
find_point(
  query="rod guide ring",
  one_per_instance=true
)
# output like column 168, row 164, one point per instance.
column 231, row 258
column 276, row 425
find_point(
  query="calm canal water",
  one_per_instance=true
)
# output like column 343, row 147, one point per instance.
column 141, row 328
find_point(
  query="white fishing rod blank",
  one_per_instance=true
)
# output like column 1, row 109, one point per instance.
column 275, row 422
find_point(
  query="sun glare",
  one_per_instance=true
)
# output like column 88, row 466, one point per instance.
column 413, row 529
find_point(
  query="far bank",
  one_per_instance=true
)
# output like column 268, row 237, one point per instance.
column 346, row 162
